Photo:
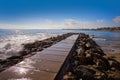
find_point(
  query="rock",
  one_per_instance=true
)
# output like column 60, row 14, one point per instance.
column 88, row 45
column 81, row 59
column 104, row 76
column 98, row 51
column 111, row 78
column 23, row 53
column 45, row 46
column 27, row 51
column 82, row 43
column 103, row 65
column 114, row 75
column 84, row 72
column 3, row 62
column 15, row 57
column 80, row 52
column 101, row 76
column 116, row 65
column 39, row 49
column 88, row 52
column 89, row 60
column 101, row 62
column 69, row 76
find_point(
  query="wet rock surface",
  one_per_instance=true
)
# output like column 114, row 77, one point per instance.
column 31, row 49
column 89, row 62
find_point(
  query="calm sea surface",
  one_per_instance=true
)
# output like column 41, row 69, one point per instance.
column 11, row 40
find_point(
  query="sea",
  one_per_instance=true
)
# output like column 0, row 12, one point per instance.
column 11, row 40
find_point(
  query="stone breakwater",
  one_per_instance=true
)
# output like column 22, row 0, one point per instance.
column 89, row 62
column 30, row 49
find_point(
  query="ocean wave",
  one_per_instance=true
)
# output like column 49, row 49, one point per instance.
column 12, row 44
column 102, row 39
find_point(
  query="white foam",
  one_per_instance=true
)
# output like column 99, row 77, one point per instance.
column 101, row 39
column 21, row 79
column 11, row 45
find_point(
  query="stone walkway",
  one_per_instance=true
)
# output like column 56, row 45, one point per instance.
column 42, row 66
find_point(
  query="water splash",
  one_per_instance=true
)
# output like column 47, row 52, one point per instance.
column 12, row 44
column 21, row 79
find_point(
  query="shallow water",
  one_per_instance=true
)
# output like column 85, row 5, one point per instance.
column 11, row 40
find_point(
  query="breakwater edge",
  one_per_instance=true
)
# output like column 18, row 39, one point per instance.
column 89, row 62
column 30, row 49
column 86, row 61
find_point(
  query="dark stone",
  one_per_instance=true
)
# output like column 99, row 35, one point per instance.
column 80, row 51
column 82, row 71
column 15, row 57
column 102, row 65
column 81, row 59
column 89, row 60
column 3, row 62
column 23, row 53
column 45, row 46
column 69, row 76
column 98, row 51
column 116, row 65
column 102, row 62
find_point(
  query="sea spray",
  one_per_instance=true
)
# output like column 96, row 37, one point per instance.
column 12, row 44
column 30, row 49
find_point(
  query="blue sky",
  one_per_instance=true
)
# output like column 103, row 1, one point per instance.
column 59, row 13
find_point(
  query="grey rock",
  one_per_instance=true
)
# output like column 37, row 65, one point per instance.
column 82, row 71
column 101, row 62
column 116, row 65
column 80, row 51
column 88, row 45
column 69, row 76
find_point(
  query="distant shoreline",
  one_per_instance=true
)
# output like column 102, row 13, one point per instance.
column 115, row 29
column 111, row 29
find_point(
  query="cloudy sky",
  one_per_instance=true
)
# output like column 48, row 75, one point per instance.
column 59, row 14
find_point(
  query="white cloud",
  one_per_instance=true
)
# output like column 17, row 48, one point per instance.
column 75, row 24
column 51, row 24
column 71, row 23
column 48, row 21
column 99, row 21
column 117, row 19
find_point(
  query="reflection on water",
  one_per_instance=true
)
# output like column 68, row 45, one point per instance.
column 99, row 39
column 21, row 79
column 21, row 70
column 23, row 67
column 27, row 63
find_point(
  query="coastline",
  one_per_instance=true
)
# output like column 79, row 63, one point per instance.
column 111, row 29
column 89, row 62
column 105, row 54
column 30, row 49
